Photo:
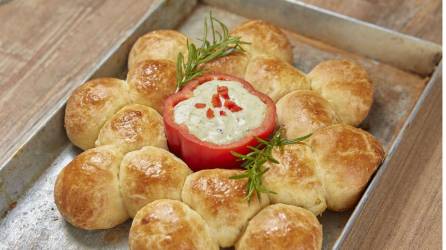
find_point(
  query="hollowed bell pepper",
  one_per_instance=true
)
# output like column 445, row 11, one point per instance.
column 199, row 154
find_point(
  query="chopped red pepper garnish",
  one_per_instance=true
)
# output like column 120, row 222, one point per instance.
column 216, row 103
column 232, row 106
column 236, row 108
column 228, row 104
column 222, row 113
column 210, row 113
column 200, row 105
column 223, row 92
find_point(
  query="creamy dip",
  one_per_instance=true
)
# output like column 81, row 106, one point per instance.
column 220, row 125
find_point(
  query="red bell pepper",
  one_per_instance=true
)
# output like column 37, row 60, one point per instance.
column 202, row 155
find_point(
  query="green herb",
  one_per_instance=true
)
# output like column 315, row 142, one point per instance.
column 221, row 44
column 253, row 162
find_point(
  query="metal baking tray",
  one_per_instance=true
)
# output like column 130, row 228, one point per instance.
column 403, row 69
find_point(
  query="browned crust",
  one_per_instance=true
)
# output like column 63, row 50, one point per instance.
column 294, row 179
column 232, row 64
column 221, row 202
column 170, row 225
column 88, row 186
column 347, row 158
column 133, row 127
column 346, row 85
column 151, row 82
column 158, row 44
column 282, row 226
column 302, row 112
column 275, row 77
column 264, row 38
column 149, row 174
column 90, row 105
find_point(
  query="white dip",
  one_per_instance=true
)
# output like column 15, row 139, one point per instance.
column 221, row 129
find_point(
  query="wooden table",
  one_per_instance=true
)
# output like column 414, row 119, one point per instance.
column 47, row 46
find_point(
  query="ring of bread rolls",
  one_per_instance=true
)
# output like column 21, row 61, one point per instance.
column 130, row 174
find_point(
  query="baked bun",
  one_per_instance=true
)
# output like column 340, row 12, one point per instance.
column 133, row 127
column 150, row 174
column 301, row 112
column 221, row 202
column 347, row 157
column 90, row 106
column 87, row 190
column 264, row 38
column 233, row 64
column 346, row 86
column 158, row 44
column 294, row 180
column 169, row 225
column 274, row 77
column 151, row 82
column 282, row 227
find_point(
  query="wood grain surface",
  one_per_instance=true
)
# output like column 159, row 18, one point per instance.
column 46, row 47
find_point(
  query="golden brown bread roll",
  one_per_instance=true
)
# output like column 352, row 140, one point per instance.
column 294, row 179
column 301, row 112
column 169, row 225
column 90, row 106
column 264, row 39
column 274, row 77
column 149, row 174
column 87, row 190
column 346, row 86
column 280, row 227
column 221, row 202
column 151, row 82
column 347, row 157
column 158, row 44
column 133, row 127
column 233, row 64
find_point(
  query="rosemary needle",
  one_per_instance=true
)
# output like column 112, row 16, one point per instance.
column 253, row 162
column 220, row 45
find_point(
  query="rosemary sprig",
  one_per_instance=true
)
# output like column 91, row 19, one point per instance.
column 220, row 45
column 253, row 162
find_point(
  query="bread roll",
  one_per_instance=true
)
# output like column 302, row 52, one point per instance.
column 221, row 202
column 158, row 44
column 169, row 225
column 87, row 190
column 90, row 106
column 133, row 127
column 233, row 64
column 274, row 77
column 347, row 157
column 151, row 82
column 264, row 39
column 282, row 227
column 294, row 179
column 301, row 112
column 346, row 86
column 150, row 174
